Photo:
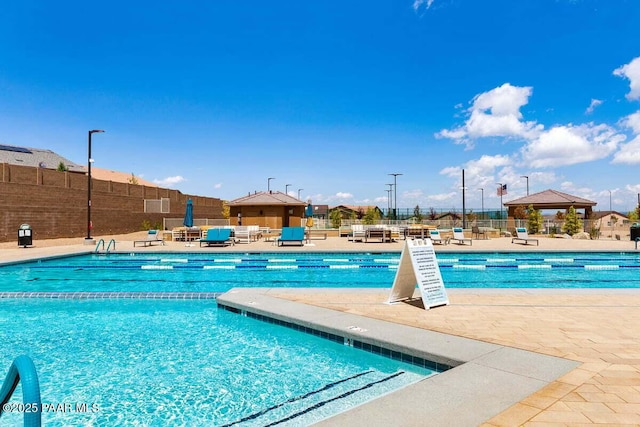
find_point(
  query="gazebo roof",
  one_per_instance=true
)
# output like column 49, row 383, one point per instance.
column 552, row 199
column 263, row 198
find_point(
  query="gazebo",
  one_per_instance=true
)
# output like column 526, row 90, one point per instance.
column 548, row 199
column 272, row 209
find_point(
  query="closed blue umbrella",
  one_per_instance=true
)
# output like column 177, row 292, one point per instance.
column 308, row 212
column 188, row 214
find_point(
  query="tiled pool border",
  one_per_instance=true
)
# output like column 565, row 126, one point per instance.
column 484, row 380
column 340, row 339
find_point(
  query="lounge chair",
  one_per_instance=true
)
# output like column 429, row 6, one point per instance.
column 217, row 236
column 242, row 234
column 153, row 236
column 458, row 235
column 523, row 236
column 358, row 232
column 291, row 235
column 435, row 237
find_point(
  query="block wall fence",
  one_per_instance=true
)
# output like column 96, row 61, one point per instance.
column 54, row 204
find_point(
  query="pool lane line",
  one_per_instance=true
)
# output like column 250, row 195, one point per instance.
column 296, row 398
column 113, row 295
column 342, row 396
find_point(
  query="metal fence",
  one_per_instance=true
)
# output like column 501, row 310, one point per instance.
column 171, row 223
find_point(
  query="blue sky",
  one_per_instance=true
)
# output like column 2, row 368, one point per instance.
column 214, row 97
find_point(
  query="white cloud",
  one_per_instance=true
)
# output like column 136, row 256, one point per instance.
column 451, row 171
column 417, row 4
column 495, row 113
column 341, row 195
column 593, row 105
column 443, row 197
column 632, row 121
column 632, row 72
column 629, row 153
column 568, row 145
column 218, row 185
column 169, row 181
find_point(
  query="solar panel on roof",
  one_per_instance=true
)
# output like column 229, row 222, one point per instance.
column 15, row 149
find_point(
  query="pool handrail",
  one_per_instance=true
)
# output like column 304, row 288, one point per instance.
column 109, row 245
column 100, row 242
column 23, row 369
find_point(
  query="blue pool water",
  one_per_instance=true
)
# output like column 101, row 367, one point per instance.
column 221, row 272
column 185, row 363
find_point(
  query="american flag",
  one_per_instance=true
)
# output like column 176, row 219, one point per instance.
column 502, row 190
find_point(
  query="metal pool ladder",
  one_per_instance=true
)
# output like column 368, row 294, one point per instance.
column 23, row 369
column 101, row 242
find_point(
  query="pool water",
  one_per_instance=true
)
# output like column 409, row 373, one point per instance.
column 185, row 363
column 221, row 272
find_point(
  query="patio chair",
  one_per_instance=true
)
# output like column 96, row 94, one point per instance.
column 153, row 236
column 291, row 235
column 477, row 232
column 435, row 237
column 358, row 232
column 242, row 234
column 217, row 236
column 458, row 235
column 523, row 236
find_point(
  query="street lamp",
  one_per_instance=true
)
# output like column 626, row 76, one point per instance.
column 610, row 214
column 500, row 191
column 395, row 194
column 88, row 239
column 482, row 189
column 269, row 184
column 524, row 176
column 389, row 203
column 299, row 190
column 286, row 186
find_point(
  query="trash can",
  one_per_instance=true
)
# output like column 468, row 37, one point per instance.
column 25, row 237
column 635, row 231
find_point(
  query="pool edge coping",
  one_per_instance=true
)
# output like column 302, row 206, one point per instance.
column 485, row 378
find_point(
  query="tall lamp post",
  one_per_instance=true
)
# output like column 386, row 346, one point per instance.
column 286, row 186
column 299, row 190
column 500, row 191
column 482, row 195
column 610, row 215
column 395, row 194
column 389, row 202
column 88, row 239
column 269, row 184
column 527, row 178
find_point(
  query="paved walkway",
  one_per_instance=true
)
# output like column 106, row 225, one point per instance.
column 599, row 328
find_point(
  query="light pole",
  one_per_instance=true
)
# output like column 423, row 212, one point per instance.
column 88, row 239
column 610, row 214
column 388, row 200
column 395, row 194
column 524, row 176
column 482, row 189
column 389, row 203
column 500, row 191
column 286, row 186
column 269, row 184
column 299, row 190
column 464, row 217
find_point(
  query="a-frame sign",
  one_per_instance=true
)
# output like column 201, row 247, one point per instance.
column 419, row 266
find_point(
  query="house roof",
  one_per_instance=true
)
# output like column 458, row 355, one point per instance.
column 264, row 198
column 115, row 176
column 551, row 199
column 357, row 208
column 35, row 157
column 602, row 214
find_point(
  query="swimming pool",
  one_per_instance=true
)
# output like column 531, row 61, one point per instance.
column 158, row 363
column 221, row 272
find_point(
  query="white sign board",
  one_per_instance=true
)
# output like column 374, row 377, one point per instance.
column 418, row 266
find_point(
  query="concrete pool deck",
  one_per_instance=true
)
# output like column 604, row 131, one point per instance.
column 599, row 328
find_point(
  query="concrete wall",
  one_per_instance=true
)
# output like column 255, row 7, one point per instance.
column 55, row 204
